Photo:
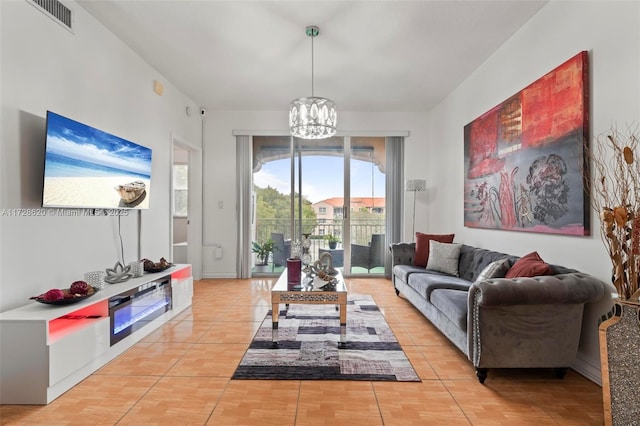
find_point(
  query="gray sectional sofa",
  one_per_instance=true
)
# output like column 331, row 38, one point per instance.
column 500, row 323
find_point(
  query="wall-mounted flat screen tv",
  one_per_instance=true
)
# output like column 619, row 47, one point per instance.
column 89, row 168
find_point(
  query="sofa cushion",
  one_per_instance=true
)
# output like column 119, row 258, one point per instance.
column 444, row 257
column 496, row 269
column 402, row 272
column 453, row 304
column 530, row 265
column 426, row 282
column 422, row 246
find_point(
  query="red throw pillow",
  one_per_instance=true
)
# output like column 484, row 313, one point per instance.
column 530, row 265
column 422, row 246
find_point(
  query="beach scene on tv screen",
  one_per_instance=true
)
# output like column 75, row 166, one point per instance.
column 86, row 167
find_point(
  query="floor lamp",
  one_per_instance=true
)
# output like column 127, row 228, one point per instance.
column 414, row 185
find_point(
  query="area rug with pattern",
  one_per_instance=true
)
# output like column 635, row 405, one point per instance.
column 308, row 346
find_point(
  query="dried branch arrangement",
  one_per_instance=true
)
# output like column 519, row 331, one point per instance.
column 615, row 196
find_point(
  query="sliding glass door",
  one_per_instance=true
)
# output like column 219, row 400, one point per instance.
column 367, row 205
column 319, row 169
column 330, row 191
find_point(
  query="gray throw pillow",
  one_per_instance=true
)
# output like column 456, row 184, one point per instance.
column 444, row 257
column 497, row 269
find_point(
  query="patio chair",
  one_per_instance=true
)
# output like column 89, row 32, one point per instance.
column 281, row 249
column 369, row 256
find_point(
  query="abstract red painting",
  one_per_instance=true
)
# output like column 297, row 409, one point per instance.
column 524, row 167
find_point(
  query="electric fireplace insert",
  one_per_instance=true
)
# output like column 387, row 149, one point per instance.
column 133, row 309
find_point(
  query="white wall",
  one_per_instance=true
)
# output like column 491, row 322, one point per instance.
column 92, row 77
column 220, row 225
column 610, row 31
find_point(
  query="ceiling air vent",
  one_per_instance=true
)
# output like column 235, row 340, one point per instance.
column 56, row 11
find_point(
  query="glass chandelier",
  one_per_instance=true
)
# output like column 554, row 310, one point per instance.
column 312, row 117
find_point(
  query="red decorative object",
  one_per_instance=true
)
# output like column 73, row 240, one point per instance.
column 294, row 271
column 53, row 295
column 79, row 287
column 524, row 158
column 530, row 265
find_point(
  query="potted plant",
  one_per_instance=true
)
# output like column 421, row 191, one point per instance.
column 262, row 251
column 333, row 241
column 615, row 196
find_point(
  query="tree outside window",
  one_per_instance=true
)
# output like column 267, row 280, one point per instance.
column 273, row 213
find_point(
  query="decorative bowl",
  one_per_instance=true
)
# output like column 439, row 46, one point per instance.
column 150, row 266
column 158, row 268
column 65, row 301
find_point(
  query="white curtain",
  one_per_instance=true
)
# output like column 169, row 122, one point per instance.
column 244, row 195
column 394, row 194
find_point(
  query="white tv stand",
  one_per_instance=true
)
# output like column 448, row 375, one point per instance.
column 42, row 354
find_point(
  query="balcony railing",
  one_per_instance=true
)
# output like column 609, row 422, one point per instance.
column 318, row 230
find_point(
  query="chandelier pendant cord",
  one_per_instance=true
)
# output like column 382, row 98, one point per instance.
column 312, row 74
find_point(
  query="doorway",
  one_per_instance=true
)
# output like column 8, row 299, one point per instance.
column 180, row 204
column 186, row 206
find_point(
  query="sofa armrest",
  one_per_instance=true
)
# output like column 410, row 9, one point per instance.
column 402, row 253
column 571, row 288
column 528, row 322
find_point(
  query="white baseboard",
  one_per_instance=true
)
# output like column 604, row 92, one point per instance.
column 588, row 367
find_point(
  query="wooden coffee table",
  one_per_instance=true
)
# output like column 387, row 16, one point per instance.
column 282, row 292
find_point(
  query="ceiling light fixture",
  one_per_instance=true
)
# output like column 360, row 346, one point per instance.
column 312, row 117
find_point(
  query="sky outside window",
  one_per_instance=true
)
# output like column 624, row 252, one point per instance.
column 322, row 177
